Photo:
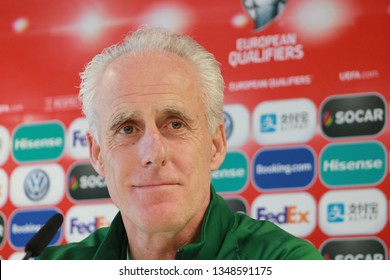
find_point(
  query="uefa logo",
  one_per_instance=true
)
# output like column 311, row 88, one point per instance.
column 237, row 125
column 36, row 184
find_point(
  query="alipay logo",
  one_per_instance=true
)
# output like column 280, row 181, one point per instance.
column 352, row 212
column 236, row 119
column 353, row 164
column 232, row 175
column 268, row 123
column 34, row 185
column 38, row 142
column 283, row 168
column 284, row 121
column 336, row 213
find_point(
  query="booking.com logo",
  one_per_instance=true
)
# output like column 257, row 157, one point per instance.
column 287, row 168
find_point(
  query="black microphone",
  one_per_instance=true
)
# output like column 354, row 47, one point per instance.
column 43, row 236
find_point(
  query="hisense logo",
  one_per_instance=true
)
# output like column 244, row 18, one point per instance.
column 353, row 164
column 37, row 142
column 232, row 175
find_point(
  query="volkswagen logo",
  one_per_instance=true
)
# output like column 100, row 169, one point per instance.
column 36, row 184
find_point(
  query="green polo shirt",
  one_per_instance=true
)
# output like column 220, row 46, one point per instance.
column 224, row 235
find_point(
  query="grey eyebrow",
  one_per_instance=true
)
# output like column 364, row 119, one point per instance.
column 169, row 110
column 121, row 118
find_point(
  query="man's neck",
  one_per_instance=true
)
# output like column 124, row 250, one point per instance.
column 161, row 245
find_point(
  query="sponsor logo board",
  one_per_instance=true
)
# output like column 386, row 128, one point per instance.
column 82, row 220
column 353, row 164
column 237, row 125
column 38, row 142
column 4, row 144
column 287, row 168
column 237, row 204
column 294, row 212
column 353, row 115
column 84, row 183
column 37, row 185
column 232, row 175
column 352, row 212
column 76, row 139
column 354, row 249
column 3, row 187
column 284, row 121
column 24, row 224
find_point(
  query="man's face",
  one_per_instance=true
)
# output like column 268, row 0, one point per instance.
column 155, row 149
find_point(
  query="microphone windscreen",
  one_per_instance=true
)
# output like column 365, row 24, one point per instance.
column 44, row 235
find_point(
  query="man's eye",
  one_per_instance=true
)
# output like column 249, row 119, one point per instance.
column 177, row 125
column 128, row 129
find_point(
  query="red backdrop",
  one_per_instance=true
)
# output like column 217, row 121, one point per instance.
column 317, row 72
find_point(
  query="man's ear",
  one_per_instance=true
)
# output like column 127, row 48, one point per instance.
column 95, row 154
column 219, row 147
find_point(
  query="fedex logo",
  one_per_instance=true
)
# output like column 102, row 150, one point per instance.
column 78, row 226
column 77, row 144
column 82, row 220
column 294, row 212
column 79, row 138
column 289, row 215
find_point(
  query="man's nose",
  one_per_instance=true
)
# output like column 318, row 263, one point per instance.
column 152, row 148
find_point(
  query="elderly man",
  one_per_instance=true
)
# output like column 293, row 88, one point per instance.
column 154, row 104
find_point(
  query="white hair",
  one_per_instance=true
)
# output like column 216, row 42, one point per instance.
column 151, row 39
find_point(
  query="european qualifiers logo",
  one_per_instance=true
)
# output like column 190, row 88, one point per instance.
column 38, row 142
column 354, row 249
column 353, row 164
column 84, row 183
column 263, row 12
column 24, row 224
column 289, row 168
column 353, row 212
column 353, row 115
column 36, row 184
